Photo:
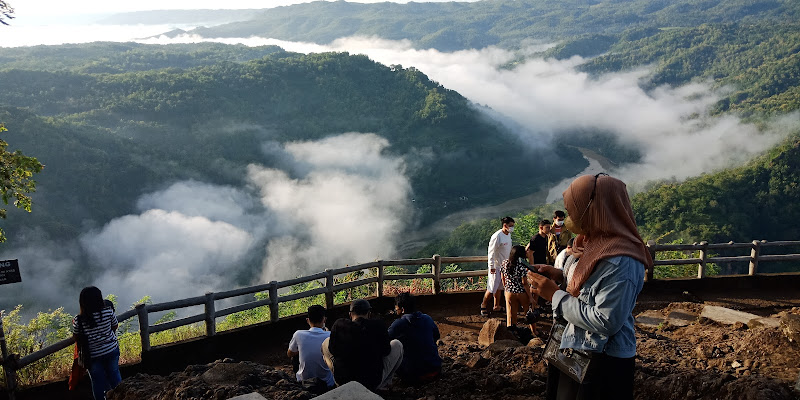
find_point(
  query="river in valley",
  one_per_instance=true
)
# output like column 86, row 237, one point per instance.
column 415, row 241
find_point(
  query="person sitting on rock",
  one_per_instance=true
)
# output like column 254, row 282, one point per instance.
column 306, row 345
column 418, row 334
column 518, row 295
column 359, row 349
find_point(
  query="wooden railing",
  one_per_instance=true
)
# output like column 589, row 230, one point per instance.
column 754, row 258
column 210, row 313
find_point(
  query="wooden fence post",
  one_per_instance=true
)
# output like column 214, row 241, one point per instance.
column 651, row 247
column 437, row 272
column 8, row 364
column 328, row 288
column 379, row 288
column 273, row 302
column 211, row 319
column 754, row 253
column 701, row 269
column 144, row 326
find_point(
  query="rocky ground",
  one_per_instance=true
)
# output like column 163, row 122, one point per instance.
column 682, row 354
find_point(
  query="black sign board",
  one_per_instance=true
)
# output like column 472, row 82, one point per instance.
column 9, row 272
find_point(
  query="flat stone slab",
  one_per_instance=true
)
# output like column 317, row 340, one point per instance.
column 726, row 316
column 249, row 396
column 681, row 317
column 767, row 322
column 349, row 391
column 650, row 319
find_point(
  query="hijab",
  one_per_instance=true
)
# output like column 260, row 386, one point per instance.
column 603, row 211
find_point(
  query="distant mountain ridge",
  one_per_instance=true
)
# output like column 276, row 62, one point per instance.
column 159, row 17
column 506, row 23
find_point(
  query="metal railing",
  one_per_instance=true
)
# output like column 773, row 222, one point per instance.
column 12, row 364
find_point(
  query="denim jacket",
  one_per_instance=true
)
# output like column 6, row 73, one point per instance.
column 600, row 319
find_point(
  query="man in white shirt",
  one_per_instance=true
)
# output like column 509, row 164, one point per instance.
column 499, row 249
column 307, row 345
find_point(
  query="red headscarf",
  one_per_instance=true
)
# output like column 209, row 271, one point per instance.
column 608, row 223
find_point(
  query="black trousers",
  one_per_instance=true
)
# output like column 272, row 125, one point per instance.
column 607, row 378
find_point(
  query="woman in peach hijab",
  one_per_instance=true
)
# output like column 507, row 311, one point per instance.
column 599, row 299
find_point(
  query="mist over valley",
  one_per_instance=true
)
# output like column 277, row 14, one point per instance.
column 204, row 160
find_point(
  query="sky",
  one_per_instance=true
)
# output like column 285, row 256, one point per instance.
column 26, row 9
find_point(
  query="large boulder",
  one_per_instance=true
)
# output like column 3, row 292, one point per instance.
column 493, row 330
column 790, row 326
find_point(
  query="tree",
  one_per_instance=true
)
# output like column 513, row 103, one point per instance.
column 5, row 12
column 16, row 171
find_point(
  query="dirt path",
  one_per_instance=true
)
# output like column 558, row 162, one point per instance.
column 699, row 361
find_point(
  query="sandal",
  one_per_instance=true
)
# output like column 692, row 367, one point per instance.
column 484, row 312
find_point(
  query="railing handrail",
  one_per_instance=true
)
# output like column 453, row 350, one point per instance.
column 330, row 287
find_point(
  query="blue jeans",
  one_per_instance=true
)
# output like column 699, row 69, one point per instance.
column 104, row 372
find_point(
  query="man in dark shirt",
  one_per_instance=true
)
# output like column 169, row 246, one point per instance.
column 537, row 249
column 418, row 333
column 359, row 349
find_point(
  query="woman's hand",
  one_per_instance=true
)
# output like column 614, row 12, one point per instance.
column 542, row 286
column 551, row 271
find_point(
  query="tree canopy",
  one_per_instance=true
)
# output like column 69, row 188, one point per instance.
column 16, row 172
column 6, row 12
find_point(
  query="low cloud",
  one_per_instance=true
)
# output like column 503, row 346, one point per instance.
column 349, row 208
column 166, row 254
column 340, row 200
column 670, row 126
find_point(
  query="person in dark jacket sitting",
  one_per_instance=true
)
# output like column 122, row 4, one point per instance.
column 418, row 333
column 360, row 350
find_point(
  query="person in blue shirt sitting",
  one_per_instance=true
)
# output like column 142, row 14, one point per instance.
column 418, row 333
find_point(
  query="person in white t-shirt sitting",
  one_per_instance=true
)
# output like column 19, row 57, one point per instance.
column 307, row 346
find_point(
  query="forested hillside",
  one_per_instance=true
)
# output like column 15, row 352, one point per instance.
column 455, row 26
column 756, row 201
column 758, row 67
column 113, row 121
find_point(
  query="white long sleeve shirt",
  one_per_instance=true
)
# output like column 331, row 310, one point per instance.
column 499, row 249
